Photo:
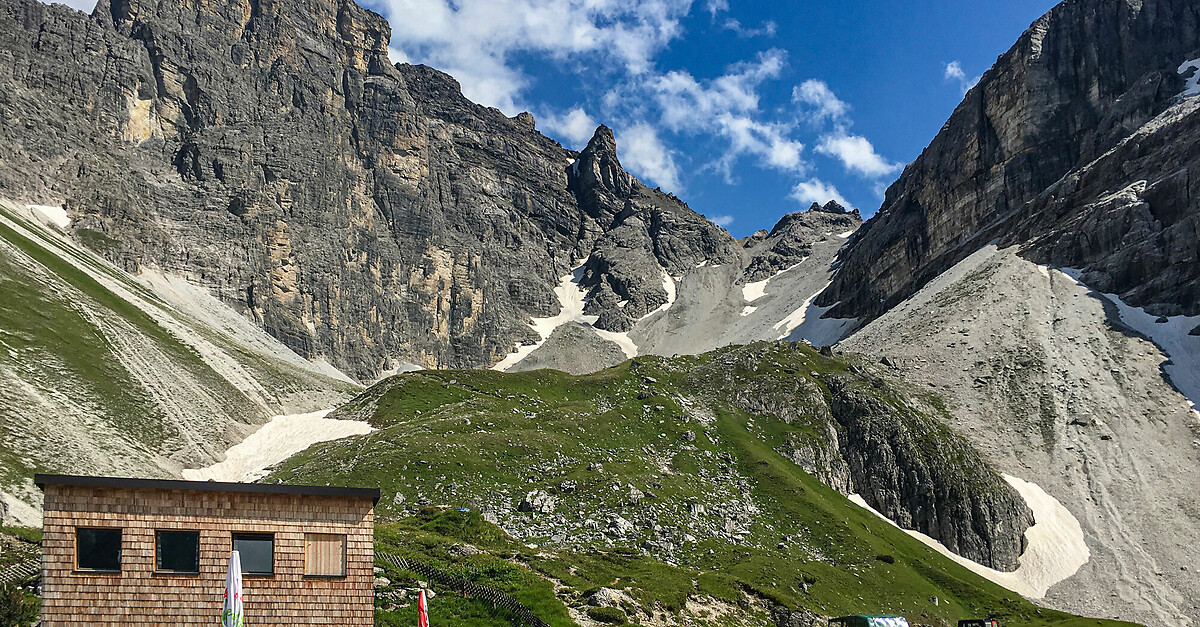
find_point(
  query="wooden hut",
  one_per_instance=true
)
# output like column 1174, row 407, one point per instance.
column 154, row 552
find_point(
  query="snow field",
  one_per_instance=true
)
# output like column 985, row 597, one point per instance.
column 572, row 300
column 1055, row 550
column 1193, row 84
column 756, row 290
column 274, row 442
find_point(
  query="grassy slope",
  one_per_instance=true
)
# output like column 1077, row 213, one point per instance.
column 468, row 437
column 50, row 339
column 19, row 543
column 50, row 336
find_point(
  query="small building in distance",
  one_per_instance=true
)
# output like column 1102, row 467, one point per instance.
column 155, row 552
column 874, row 620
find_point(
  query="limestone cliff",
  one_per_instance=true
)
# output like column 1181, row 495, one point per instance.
column 357, row 210
column 1077, row 84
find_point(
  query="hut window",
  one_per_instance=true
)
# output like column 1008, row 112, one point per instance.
column 325, row 555
column 177, row 551
column 257, row 552
column 98, row 549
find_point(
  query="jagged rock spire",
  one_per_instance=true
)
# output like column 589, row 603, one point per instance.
column 602, row 142
column 601, row 184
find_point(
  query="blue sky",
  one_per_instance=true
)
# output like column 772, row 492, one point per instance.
column 746, row 110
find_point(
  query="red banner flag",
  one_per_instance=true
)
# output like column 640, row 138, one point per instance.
column 422, row 611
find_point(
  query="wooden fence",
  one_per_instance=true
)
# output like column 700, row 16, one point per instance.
column 21, row 572
column 458, row 584
column 30, row 569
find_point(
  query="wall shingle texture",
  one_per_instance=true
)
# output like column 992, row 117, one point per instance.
column 140, row 596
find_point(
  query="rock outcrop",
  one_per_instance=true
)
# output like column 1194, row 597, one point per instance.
column 860, row 433
column 649, row 237
column 1082, row 80
column 361, row 211
column 919, row 473
column 791, row 240
column 1130, row 219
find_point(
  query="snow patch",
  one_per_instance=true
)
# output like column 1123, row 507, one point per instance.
column 620, row 339
column 1055, row 550
column 756, row 290
column 274, row 442
column 572, row 300
column 668, row 287
column 748, row 309
column 847, row 234
column 702, row 264
column 806, row 323
column 50, row 214
column 399, row 368
column 1171, row 336
column 1192, row 87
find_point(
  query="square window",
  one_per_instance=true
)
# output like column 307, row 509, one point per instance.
column 257, row 552
column 98, row 549
column 324, row 555
column 177, row 551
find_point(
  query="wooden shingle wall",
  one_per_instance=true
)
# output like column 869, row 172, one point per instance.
column 138, row 595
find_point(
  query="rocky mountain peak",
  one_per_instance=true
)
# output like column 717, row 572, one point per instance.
column 831, row 207
column 602, row 184
column 602, row 141
column 817, row 220
column 792, row 238
column 1079, row 83
column 526, row 120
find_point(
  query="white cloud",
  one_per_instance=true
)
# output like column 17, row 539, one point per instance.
column 722, row 220
column 686, row 103
column 475, row 40
column 716, row 6
column 768, row 29
column 857, row 155
column 954, row 72
column 643, row 153
column 577, row 127
column 818, row 191
column 728, row 106
column 817, row 94
column 767, row 141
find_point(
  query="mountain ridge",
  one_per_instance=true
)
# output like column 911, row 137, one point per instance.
column 369, row 215
column 1078, row 82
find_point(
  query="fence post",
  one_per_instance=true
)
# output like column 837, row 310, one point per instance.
column 498, row 599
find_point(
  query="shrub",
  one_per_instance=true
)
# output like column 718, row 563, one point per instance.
column 16, row 608
column 886, row 558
